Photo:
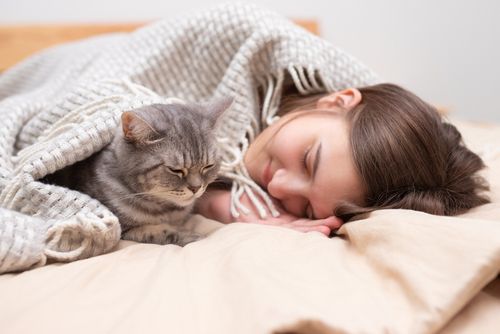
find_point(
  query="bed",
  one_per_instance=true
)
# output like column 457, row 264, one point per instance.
column 394, row 271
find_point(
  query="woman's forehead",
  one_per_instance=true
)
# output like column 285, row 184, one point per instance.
column 313, row 124
column 313, row 114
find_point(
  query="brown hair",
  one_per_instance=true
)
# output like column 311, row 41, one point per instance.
column 406, row 155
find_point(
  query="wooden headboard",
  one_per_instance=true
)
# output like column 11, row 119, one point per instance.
column 19, row 41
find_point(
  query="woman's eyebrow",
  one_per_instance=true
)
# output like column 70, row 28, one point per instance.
column 317, row 159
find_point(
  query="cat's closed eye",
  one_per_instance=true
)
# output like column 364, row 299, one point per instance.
column 179, row 172
column 207, row 168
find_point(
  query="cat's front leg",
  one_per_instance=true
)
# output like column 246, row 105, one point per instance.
column 161, row 234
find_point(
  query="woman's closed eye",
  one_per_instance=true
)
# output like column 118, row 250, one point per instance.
column 308, row 212
column 304, row 159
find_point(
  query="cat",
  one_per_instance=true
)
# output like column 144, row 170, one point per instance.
column 160, row 161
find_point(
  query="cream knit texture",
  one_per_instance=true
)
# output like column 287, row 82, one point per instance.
column 63, row 104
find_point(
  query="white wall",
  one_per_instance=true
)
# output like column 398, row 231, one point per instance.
column 446, row 51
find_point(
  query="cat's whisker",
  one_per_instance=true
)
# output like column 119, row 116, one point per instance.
column 134, row 195
column 139, row 194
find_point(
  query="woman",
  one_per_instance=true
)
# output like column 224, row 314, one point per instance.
column 333, row 156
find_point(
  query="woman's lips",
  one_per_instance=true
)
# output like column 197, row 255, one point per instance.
column 267, row 175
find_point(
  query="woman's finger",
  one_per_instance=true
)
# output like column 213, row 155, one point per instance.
column 302, row 225
column 333, row 222
column 320, row 228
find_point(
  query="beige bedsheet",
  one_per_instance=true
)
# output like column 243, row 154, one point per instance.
column 395, row 272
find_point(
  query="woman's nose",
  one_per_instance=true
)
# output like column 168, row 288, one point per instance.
column 285, row 185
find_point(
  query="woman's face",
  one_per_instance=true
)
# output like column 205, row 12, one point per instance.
column 306, row 164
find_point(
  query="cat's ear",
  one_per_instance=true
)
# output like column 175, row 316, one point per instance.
column 217, row 108
column 137, row 130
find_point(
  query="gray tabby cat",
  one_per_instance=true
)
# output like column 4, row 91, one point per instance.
column 159, row 162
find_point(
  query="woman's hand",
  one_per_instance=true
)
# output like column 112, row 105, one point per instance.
column 215, row 205
column 287, row 220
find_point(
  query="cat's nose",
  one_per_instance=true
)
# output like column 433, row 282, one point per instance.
column 194, row 189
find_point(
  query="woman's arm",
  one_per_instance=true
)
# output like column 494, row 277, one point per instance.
column 215, row 204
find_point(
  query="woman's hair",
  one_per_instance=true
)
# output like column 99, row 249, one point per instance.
column 405, row 154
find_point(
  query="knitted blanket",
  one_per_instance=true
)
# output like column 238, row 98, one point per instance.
column 62, row 105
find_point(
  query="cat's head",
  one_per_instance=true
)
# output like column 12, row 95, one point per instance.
column 169, row 150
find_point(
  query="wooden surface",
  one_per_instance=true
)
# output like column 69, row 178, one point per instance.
column 19, row 41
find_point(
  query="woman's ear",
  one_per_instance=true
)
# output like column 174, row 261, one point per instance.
column 345, row 99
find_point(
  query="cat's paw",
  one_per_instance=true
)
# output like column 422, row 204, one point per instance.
column 164, row 237
column 180, row 238
column 152, row 234
column 188, row 238
column 160, row 234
